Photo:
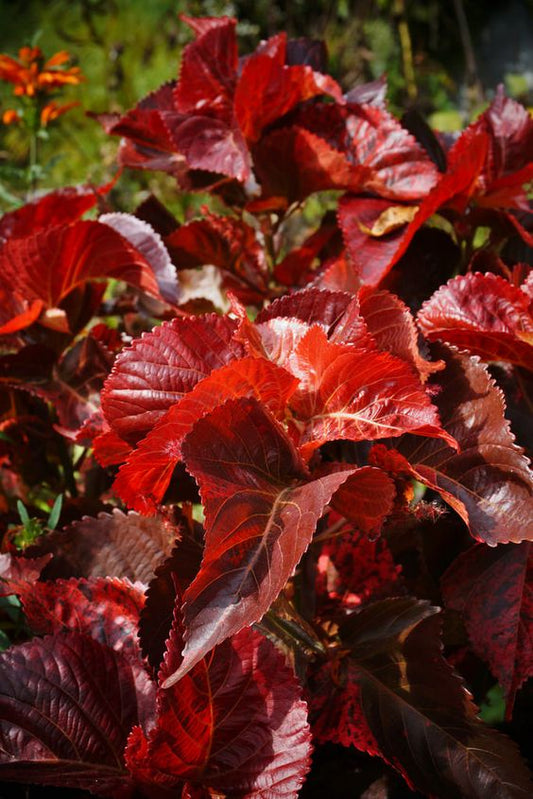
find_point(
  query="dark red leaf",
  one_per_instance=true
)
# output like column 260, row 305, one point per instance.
column 261, row 510
column 242, row 726
column 493, row 589
column 113, row 544
column 67, row 705
column 365, row 499
column 106, row 609
column 144, row 478
column 510, row 127
column 228, row 243
column 162, row 366
column 414, row 705
column 17, row 569
column 488, row 482
column 484, row 314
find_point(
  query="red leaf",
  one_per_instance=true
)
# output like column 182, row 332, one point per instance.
column 48, row 265
column 488, row 482
column 365, row 499
column 293, row 163
column 484, row 314
column 242, row 726
column 355, row 394
column 113, row 544
column 162, row 366
column 144, row 478
column 268, row 88
column 67, row 704
column 399, row 169
column 228, row 243
column 261, row 510
column 17, row 569
column 106, row 609
column 510, row 127
column 391, row 325
column 493, row 589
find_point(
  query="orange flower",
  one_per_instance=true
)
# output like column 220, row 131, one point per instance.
column 10, row 116
column 53, row 110
column 31, row 74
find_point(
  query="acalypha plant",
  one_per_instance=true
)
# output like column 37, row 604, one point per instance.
column 297, row 507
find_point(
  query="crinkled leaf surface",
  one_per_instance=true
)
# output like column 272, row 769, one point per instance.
column 365, row 499
column 261, row 509
column 493, row 589
column 488, row 482
column 484, row 314
column 421, row 717
column 235, row 723
column 67, row 705
column 113, row 544
column 162, row 366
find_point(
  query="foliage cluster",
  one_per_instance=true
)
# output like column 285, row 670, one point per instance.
column 294, row 513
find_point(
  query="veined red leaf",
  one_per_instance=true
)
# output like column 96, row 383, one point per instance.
column 493, row 590
column 67, row 705
column 511, row 141
column 355, row 394
column 162, row 366
column 484, row 314
column 17, row 569
column 144, row 478
column 488, row 482
column 106, row 609
column 414, row 704
column 392, row 327
column 312, row 306
column 112, row 544
column 48, row 265
column 399, row 169
column 242, row 725
column 261, row 510
column 145, row 239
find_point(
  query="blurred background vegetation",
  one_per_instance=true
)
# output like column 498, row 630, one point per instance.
column 443, row 57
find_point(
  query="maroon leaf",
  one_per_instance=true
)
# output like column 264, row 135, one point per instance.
column 113, row 544
column 484, row 314
column 365, row 499
column 162, row 366
column 231, row 245
column 261, row 510
column 106, row 609
column 67, row 704
column 170, row 581
column 488, row 482
column 144, row 478
column 493, row 589
column 242, row 726
column 414, row 704
column 355, row 394
column 16, row 569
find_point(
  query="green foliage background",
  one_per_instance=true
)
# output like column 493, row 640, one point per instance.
column 126, row 48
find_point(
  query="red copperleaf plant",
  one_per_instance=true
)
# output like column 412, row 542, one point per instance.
column 307, row 472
